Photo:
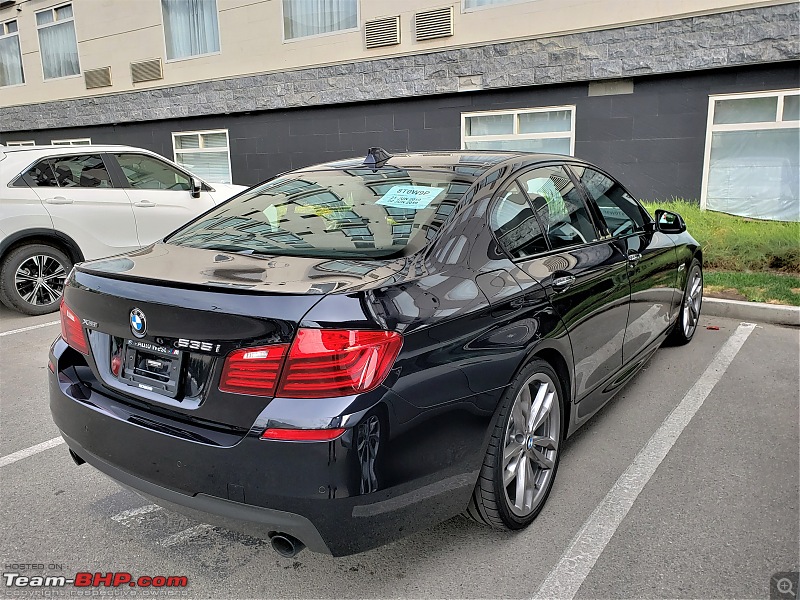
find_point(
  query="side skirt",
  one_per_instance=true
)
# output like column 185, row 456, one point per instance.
column 600, row 396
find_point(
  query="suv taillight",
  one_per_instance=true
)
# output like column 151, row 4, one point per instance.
column 321, row 363
column 71, row 329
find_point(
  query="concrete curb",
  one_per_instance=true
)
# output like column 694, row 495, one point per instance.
column 752, row 311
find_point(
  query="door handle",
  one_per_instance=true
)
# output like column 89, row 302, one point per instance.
column 58, row 200
column 562, row 282
column 144, row 204
column 634, row 257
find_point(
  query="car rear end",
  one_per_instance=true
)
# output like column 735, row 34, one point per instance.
column 181, row 374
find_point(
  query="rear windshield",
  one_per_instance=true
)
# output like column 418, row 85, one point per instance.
column 348, row 213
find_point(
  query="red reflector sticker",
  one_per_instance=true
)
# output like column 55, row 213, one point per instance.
column 302, row 435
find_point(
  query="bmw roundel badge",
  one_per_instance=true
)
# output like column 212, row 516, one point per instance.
column 138, row 323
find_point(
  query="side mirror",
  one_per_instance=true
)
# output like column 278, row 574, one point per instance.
column 197, row 187
column 669, row 222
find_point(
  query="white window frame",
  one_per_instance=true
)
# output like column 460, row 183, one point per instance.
column 21, row 143
column 711, row 128
column 193, row 56
column 320, row 35
column 4, row 35
column 57, row 22
column 201, row 149
column 465, row 10
column 515, row 135
column 72, row 142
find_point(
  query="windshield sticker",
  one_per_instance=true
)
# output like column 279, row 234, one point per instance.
column 412, row 197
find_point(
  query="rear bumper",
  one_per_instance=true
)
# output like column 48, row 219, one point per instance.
column 259, row 487
column 251, row 520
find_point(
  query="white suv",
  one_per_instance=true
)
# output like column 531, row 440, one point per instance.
column 63, row 204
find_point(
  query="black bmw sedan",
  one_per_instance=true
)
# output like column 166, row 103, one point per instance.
column 356, row 350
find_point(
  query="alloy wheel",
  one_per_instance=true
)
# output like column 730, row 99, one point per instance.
column 40, row 279
column 531, row 445
column 691, row 303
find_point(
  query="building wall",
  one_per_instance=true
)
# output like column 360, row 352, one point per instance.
column 117, row 32
column 761, row 35
column 652, row 139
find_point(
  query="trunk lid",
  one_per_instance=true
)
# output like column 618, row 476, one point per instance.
column 196, row 306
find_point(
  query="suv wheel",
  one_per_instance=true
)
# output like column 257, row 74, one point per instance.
column 32, row 278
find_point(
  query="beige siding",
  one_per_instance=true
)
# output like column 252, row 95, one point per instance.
column 117, row 32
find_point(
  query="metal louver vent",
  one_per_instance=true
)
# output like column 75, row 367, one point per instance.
column 146, row 70
column 435, row 23
column 97, row 78
column 382, row 32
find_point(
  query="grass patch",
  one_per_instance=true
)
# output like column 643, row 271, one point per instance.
column 739, row 244
column 772, row 288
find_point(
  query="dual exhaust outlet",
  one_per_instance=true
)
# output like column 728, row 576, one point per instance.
column 284, row 544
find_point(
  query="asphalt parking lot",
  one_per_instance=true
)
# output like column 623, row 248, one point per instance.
column 709, row 508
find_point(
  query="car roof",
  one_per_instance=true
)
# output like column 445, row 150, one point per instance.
column 49, row 149
column 467, row 162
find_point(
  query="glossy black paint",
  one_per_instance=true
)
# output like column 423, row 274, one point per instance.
column 470, row 318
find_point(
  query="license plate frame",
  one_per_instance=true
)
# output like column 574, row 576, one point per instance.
column 151, row 367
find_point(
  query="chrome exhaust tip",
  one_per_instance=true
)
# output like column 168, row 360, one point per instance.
column 286, row 545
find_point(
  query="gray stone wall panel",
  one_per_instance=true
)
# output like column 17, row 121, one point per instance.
column 739, row 38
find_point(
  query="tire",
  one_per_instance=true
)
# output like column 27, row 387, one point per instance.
column 494, row 501
column 32, row 278
column 692, row 302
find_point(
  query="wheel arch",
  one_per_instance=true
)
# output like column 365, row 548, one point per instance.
column 42, row 236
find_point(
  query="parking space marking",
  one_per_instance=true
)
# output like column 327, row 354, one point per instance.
column 20, row 454
column 31, row 327
column 567, row 576
column 134, row 515
column 186, row 534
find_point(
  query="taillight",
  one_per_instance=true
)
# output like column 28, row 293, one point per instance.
column 71, row 329
column 325, row 363
column 253, row 371
column 321, row 363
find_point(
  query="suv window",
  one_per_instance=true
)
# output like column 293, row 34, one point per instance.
column 148, row 173
column 85, row 171
column 516, row 227
column 622, row 214
column 560, row 207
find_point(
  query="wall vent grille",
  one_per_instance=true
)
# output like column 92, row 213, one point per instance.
column 382, row 32
column 97, row 78
column 433, row 24
column 146, row 70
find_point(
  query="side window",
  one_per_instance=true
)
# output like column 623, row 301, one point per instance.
column 621, row 213
column 85, row 171
column 39, row 175
column 515, row 225
column 148, row 173
column 560, row 207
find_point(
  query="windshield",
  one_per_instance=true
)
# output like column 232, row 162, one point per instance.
column 358, row 213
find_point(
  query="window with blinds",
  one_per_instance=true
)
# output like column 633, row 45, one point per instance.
column 204, row 153
column 549, row 129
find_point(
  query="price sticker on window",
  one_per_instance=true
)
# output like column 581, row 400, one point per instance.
column 411, row 197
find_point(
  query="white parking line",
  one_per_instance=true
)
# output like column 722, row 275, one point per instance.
column 569, row 573
column 128, row 517
column 24, row 329
column 20, row 454
column 186, row 534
